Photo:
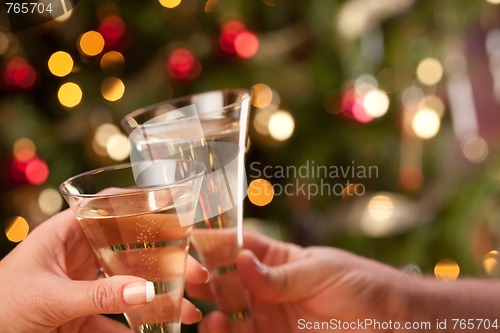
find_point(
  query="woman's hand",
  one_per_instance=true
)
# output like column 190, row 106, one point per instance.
column 49, row 283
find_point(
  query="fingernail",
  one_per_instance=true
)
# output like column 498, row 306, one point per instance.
column 139, row 293
column 200, row 316
column 207, row 275
column 259, row 266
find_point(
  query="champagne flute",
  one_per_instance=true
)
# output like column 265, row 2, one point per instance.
column 138, row 219
column 209, row 127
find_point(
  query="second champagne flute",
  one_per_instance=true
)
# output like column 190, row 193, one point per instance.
column 210, row 128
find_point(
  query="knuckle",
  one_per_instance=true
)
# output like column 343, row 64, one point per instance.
column 104, row 298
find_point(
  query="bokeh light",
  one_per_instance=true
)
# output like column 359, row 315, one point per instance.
column 281, row 125
column 411, row 97
column 229, row 33
column 352, row 107
column 475, row 148
column 112, row 62
column 70, row 94
column 17, row 229
column 182, row 64
column 364, row 83
column 19, row 73
column 432, row 102
column 262, row 95
column 50, row 201
column 117, row 147
column 112, row 89
column 246, row 44
column 24, row 149
column 490, row 263
column 380, row 207
column 112, row 29
column 170, row 3
column 36, row 171
column 411, row 178
column 429, row 71
column 104, row 132
column 494, row 2
column 91, row 43
column 376, row 103
column 447, row 270
column 260, row 192
column 60, row 63
column 352, row 191
column 426, row 123
column 4, row 42
column 261, row 121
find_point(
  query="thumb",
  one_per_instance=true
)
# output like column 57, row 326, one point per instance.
column 284, row 283
column 115, row 294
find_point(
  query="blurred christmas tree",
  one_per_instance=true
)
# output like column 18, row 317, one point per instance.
column 409, row 88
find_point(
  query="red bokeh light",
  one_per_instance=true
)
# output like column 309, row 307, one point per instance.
column 182, row 64
column 36, row 171
column 246, row 44
column 352, row 107
column 19, row 73
column 112, row 29
column 229, row 33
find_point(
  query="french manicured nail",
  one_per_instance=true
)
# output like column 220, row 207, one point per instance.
column 139, row 293
column 207, row 275
column 200, row 315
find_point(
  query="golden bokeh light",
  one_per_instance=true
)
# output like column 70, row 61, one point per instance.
column 91, row 43
column 262, row 95
column 50, row 201
column 260, row 192
column 117, row 147
column 376, row 103
column 24, row 149
column 352, row 190
column 434, row 103
column 426, row 123
column 494, row 2
column 380, row 207
column 170, row 3
column 490, row 263
column 112, row 62
column 281, row 125
column 429, row 71
column 447, row 270
column 60, row 63
column 112, row 89
column 475, row 148
column 17, row 230
column 104, row 132
column 70, row 94
column 261, row 122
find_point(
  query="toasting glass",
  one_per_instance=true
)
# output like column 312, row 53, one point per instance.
column 210, row 128
column 138, row 218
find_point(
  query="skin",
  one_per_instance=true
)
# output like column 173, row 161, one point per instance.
column 288, row 283
column 49, row 284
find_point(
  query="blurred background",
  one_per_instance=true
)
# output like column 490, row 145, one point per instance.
column 387, row 110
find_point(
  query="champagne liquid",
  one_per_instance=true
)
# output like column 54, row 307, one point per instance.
column 148, row 244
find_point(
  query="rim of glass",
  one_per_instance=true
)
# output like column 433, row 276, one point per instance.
column 151, row 107
column 136, row 190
